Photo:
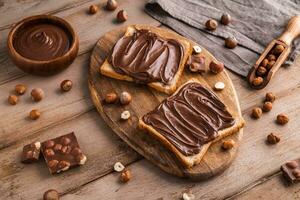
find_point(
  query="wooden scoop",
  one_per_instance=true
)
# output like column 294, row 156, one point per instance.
column 291, row 32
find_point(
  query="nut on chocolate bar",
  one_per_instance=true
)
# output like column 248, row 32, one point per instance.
column 62, row 153
column 31, row 152
column 291, row 171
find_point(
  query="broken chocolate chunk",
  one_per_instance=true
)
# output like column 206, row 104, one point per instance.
column 62, row 153
column 291, row 171
column 196, row 63
column 31, row 152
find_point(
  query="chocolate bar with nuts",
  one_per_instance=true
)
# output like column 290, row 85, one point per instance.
column 62, row 153
column 291, row 170
column 31, row 152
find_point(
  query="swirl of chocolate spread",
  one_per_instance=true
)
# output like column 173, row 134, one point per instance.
column 190, row 118
column 42, row 42
column 146, row 57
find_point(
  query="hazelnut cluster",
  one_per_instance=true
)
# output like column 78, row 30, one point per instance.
column 111, row 5
column 266, row 64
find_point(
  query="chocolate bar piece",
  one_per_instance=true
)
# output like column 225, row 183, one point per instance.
column 291, row 170
column 31, row 152
column 62, row 153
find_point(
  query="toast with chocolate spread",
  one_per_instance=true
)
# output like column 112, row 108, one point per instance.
column 190, row 120
column 148, row 55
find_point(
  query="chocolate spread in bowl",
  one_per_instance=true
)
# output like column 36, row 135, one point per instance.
column 190, row 118
column 147, row 57
column 42, row 41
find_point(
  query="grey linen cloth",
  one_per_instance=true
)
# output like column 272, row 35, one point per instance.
column 255, row 24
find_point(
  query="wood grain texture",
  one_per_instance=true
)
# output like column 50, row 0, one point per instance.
column 144, row 100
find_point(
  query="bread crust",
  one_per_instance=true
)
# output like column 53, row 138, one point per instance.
column 190, row 161
column 107, row 70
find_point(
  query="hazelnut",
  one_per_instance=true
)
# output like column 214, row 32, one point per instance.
column 34, row 114
column 188, row 196
column 219, row 85
column 230, row 42
column 196, row 49
column 264, row 62
column 93, row 9
column 296, row 173
column 118, row 167
column 65, row 140
column 29, row 154
column 261, row 71
column 37, row 94
column 63, row 165
column 66, row 85
column 57, row 147
column 273, row 138
column 282, row 119
column 292, row 164
column 270, row 64
column 13, row 99
column 49, row 152
column 256, row 113
column 216, row 67
column 76, row 151
column 267, row 106
column 125, row 115
column 20, row 89
column 211, row 24
column 271, row 57
column 125, row 98
column 225, row 19
column 66, row 149
column 122, row 16
column 195, row 67
column 81, row 159
column 257, row 81
column 228, row 144
column 125, row 176
column 51, row 195
column 270, row 97
column 278, row 49
column 111, row 97
column 111, row 5
column 52, row 164
column 49, row 144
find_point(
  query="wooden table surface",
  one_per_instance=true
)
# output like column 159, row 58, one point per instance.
column 254, row 174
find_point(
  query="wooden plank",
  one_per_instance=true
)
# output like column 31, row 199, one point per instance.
column 274, row 187
column 98, row 142
column 55, row 107
column 255, row 161
column 88, row 27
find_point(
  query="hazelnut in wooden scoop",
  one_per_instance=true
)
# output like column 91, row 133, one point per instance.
column 261, row 71
column 211, row 24
column 111, row 5
column 278, row 49
column 231, row 42
column 257, row 81
column 122, row 16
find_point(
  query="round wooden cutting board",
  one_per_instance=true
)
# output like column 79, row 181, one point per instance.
column 144, row 100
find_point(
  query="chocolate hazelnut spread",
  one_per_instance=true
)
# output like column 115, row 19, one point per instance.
column 146, row 57
column 42, row 41
column 190, row 118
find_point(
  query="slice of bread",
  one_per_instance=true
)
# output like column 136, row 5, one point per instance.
column 107, row 70
column 189, row 161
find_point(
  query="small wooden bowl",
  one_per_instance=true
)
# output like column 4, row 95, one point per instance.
column 47, row 67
